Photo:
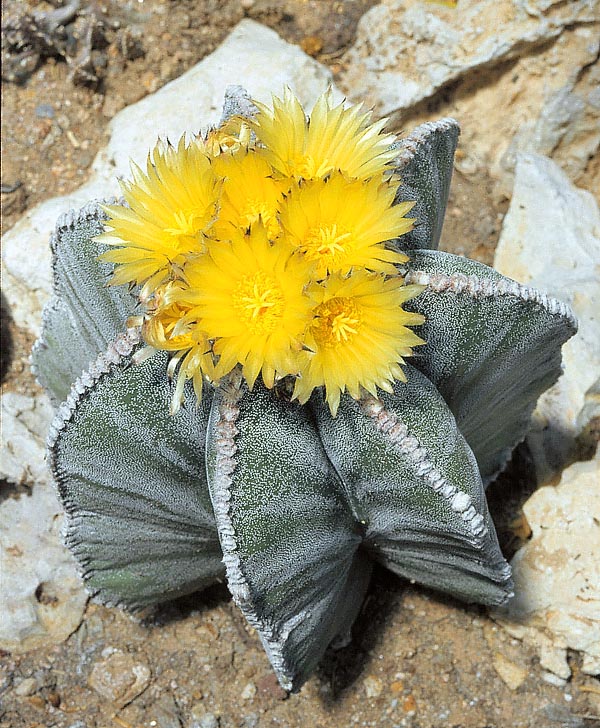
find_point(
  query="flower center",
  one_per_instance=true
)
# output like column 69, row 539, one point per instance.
column 259, row 302
column 256, row 209
column 308, row 168
column 187, row 229
column 326, row 242
column 336, row 322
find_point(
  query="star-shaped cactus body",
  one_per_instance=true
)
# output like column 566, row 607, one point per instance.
column 294, row 503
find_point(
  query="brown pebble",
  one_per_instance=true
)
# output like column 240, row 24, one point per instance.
column 269, row 687
column 54, row 699
column 149, row 81
column 312, row 45
column 37, row 701
column 397, row 686
column 120, row 678
column 112, row 104
column 43, row 128
column 409, row 705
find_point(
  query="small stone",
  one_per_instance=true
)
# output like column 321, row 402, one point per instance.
column 15, row 200
column 44, row 111
column 312, row 45
column 149, row 81
column 201, row 718
column 120, row 678
column 409, row 705
column 113, row 103
column 26, row 687
column 207, row 632
column 512, row 674
column 166, row 713
column 373, row 686
column 208, row 720
column 553, row 679
column 248, row 692
column 397, row 686
column 38, row 702
column 269, row 686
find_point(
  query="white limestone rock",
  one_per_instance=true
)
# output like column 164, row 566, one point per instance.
column 557, row 573
column 25, row 422
column 406, row 50
column 42, row 599
column 550, row 102
column 555, row 106
column 550, row 239
column 120, row 677
column 252, row 56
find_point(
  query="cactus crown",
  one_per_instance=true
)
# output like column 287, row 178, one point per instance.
column 278, row 245
column 262, row 245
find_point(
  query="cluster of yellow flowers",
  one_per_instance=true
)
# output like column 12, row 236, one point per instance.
column 262, row 245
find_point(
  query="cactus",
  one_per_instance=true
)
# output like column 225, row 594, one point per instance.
column 290, row 502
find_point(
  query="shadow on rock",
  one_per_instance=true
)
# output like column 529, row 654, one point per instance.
column 6, row 343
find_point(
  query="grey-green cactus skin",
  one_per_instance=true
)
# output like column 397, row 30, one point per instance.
column 292, row 504
column 490, row 387
column 424, row 162
column 289, row 539
column 78, row 323
column 416, row 489
column 133, row 483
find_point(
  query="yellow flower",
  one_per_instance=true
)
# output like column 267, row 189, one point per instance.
column 334, row 139
column 192, row 348
column 340, row 224
column 358, row 336
column 170, row 209
column 233, row 136
column 250, row 193
column 247, row 295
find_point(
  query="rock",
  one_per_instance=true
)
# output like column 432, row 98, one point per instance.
column 553, row 679
column 548, row 93
column 550, row 239
column 559, row 115
column 120, row 678
column 269, row 687
column 26, row 687
column 42, row 599
column 512, row 675
column 406, row 50
column 209, row 721
column 248, row 692
column 25, row 422
column 188, row 103
column 165, row 713
column 200, row 718
column 373, row 686
column 557, row 573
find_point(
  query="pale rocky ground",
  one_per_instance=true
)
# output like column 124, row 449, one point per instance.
column 521, row 78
